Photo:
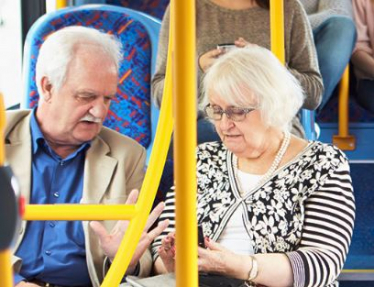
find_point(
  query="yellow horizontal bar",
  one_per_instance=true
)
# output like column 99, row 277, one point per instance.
column 358, row 271
column 79, row 212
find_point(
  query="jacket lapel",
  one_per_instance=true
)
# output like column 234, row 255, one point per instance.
column 98, row 171
column 18, row 149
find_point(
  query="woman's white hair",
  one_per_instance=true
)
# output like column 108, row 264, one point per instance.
column 254, row 77
column 58, row 50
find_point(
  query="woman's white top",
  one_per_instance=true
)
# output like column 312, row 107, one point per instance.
column 234, row 236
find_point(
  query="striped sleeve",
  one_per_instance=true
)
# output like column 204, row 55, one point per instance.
column 168, row 213
column 327, row 231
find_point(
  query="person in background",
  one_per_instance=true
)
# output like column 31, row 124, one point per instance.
column 275, row 209
column 244, row 22
column 61, row 154
column 363, row 54
column 334, row 37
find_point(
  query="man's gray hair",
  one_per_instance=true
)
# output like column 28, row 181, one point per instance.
column 59, row 49
column 254, row 77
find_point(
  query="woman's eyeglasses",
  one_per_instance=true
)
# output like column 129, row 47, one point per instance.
column 234, row 114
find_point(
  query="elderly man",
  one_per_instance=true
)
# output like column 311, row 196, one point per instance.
column 62, row 154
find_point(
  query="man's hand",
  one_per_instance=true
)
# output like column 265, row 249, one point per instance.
column 110, row 242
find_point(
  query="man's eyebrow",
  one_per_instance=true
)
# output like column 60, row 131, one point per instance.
column 85, row 94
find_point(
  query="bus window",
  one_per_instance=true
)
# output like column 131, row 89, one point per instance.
column 10, row 51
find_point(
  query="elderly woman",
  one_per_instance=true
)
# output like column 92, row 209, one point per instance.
column 275, row 209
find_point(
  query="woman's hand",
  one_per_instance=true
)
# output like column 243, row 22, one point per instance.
column 167, row 252
column 217, row 259
column 241, row 43
column 207, row 60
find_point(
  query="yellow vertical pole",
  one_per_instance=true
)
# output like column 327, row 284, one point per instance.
column 185, row 141
column 61, row 4
column 6, row 278
column 344, row 140
column 343, row 103
column 277, row 29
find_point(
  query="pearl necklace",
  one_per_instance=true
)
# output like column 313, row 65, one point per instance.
column 278, row 158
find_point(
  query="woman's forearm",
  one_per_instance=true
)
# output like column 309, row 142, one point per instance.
column 274, row 269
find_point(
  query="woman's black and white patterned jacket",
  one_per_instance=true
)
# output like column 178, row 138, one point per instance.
column 306, row 210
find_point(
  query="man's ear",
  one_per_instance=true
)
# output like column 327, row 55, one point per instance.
column 46, row 89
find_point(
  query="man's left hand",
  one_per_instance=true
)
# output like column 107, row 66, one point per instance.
column 110, row 242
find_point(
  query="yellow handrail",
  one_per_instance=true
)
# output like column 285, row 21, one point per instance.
column 184, row 97
column 343, row 140
column 371, row 271
column 6, row 278
column 343, row 103
column 277, row 29
column 79, row 212
column 61, row 4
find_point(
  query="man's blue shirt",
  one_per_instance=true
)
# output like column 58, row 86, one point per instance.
column 54, row 251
